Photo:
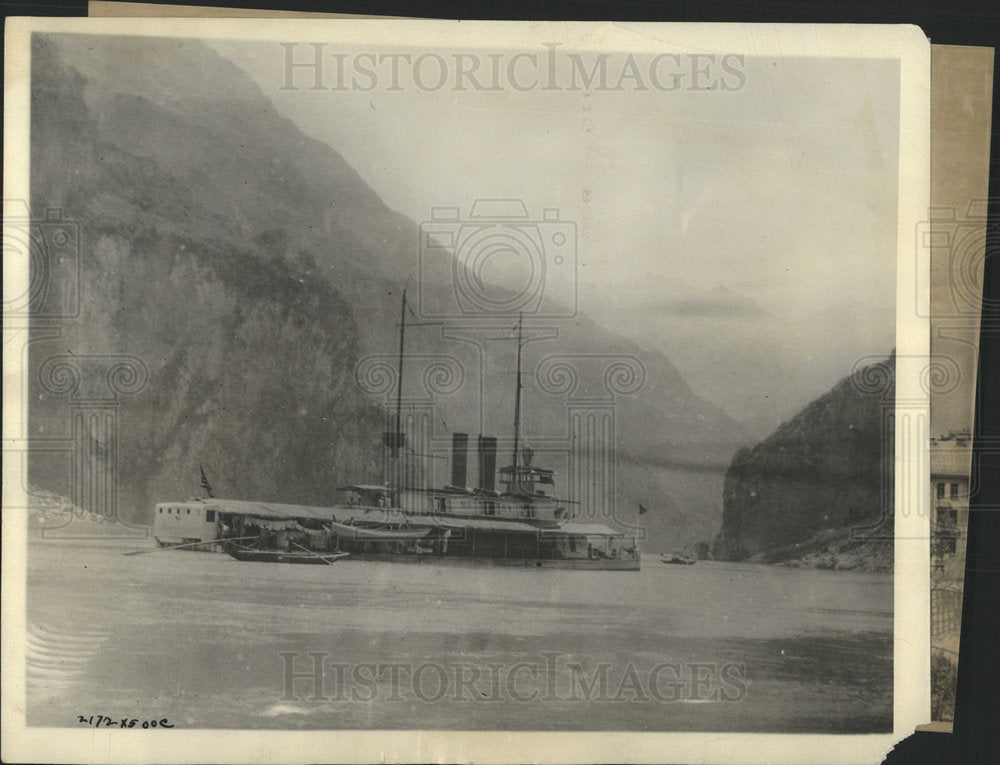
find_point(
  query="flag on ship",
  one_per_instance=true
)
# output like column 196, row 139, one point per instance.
column 204, row 482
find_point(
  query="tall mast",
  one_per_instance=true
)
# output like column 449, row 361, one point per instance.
column 517, row 405
column 399, row 377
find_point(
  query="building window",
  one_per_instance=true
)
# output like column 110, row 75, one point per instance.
column 210, row 515
column 947, row 515
column 572, row 544
column 442, row 505
column 940, row 491
column 954, row 491
column 189, row 511
column 951, row 545
column 160, row 509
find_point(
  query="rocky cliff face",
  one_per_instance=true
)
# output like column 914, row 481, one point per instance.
column 249, row 357
column 829, row 467
column 252, row 272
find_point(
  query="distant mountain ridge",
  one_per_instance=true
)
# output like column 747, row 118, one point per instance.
column 254, row 272
column 761, row 368
column 718, row 302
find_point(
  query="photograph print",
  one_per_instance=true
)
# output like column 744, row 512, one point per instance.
column 402, row 376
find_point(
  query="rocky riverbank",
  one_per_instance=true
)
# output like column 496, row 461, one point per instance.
column 838, row 550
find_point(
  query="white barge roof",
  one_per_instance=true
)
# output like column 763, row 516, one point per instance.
column 592, row 529
column 269, row 509
column 479, row 524
column 277, row 510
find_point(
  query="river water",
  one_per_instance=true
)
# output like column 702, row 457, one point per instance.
column 205, row 641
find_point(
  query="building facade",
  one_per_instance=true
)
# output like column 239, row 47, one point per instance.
column 951, row 466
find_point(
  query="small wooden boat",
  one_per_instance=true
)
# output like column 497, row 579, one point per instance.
column 376, row 534
column 681, row 560
column 280, row 556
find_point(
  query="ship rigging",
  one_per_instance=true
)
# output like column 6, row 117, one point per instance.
column 521, row 525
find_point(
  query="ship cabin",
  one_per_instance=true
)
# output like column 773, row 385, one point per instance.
column 525, row 480
column 210, row 521
column 468, row 503
column 522, row 521
column 523, row 497
column 177, row 523
column 365, row 496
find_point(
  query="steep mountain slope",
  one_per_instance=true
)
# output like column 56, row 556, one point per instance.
column 254, row 272
column 829, row 467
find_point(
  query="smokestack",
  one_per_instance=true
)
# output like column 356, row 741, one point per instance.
column 487, row 463
column 459, row 459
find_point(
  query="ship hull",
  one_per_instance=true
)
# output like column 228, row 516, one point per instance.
column 579, row 564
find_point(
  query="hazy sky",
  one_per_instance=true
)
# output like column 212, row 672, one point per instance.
column 783, row 191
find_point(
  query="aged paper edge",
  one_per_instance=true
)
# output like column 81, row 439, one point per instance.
column 102, row 9
column 935, row 727
column 973, row 158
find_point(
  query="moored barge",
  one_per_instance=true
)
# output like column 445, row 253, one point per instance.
column 522, row 524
